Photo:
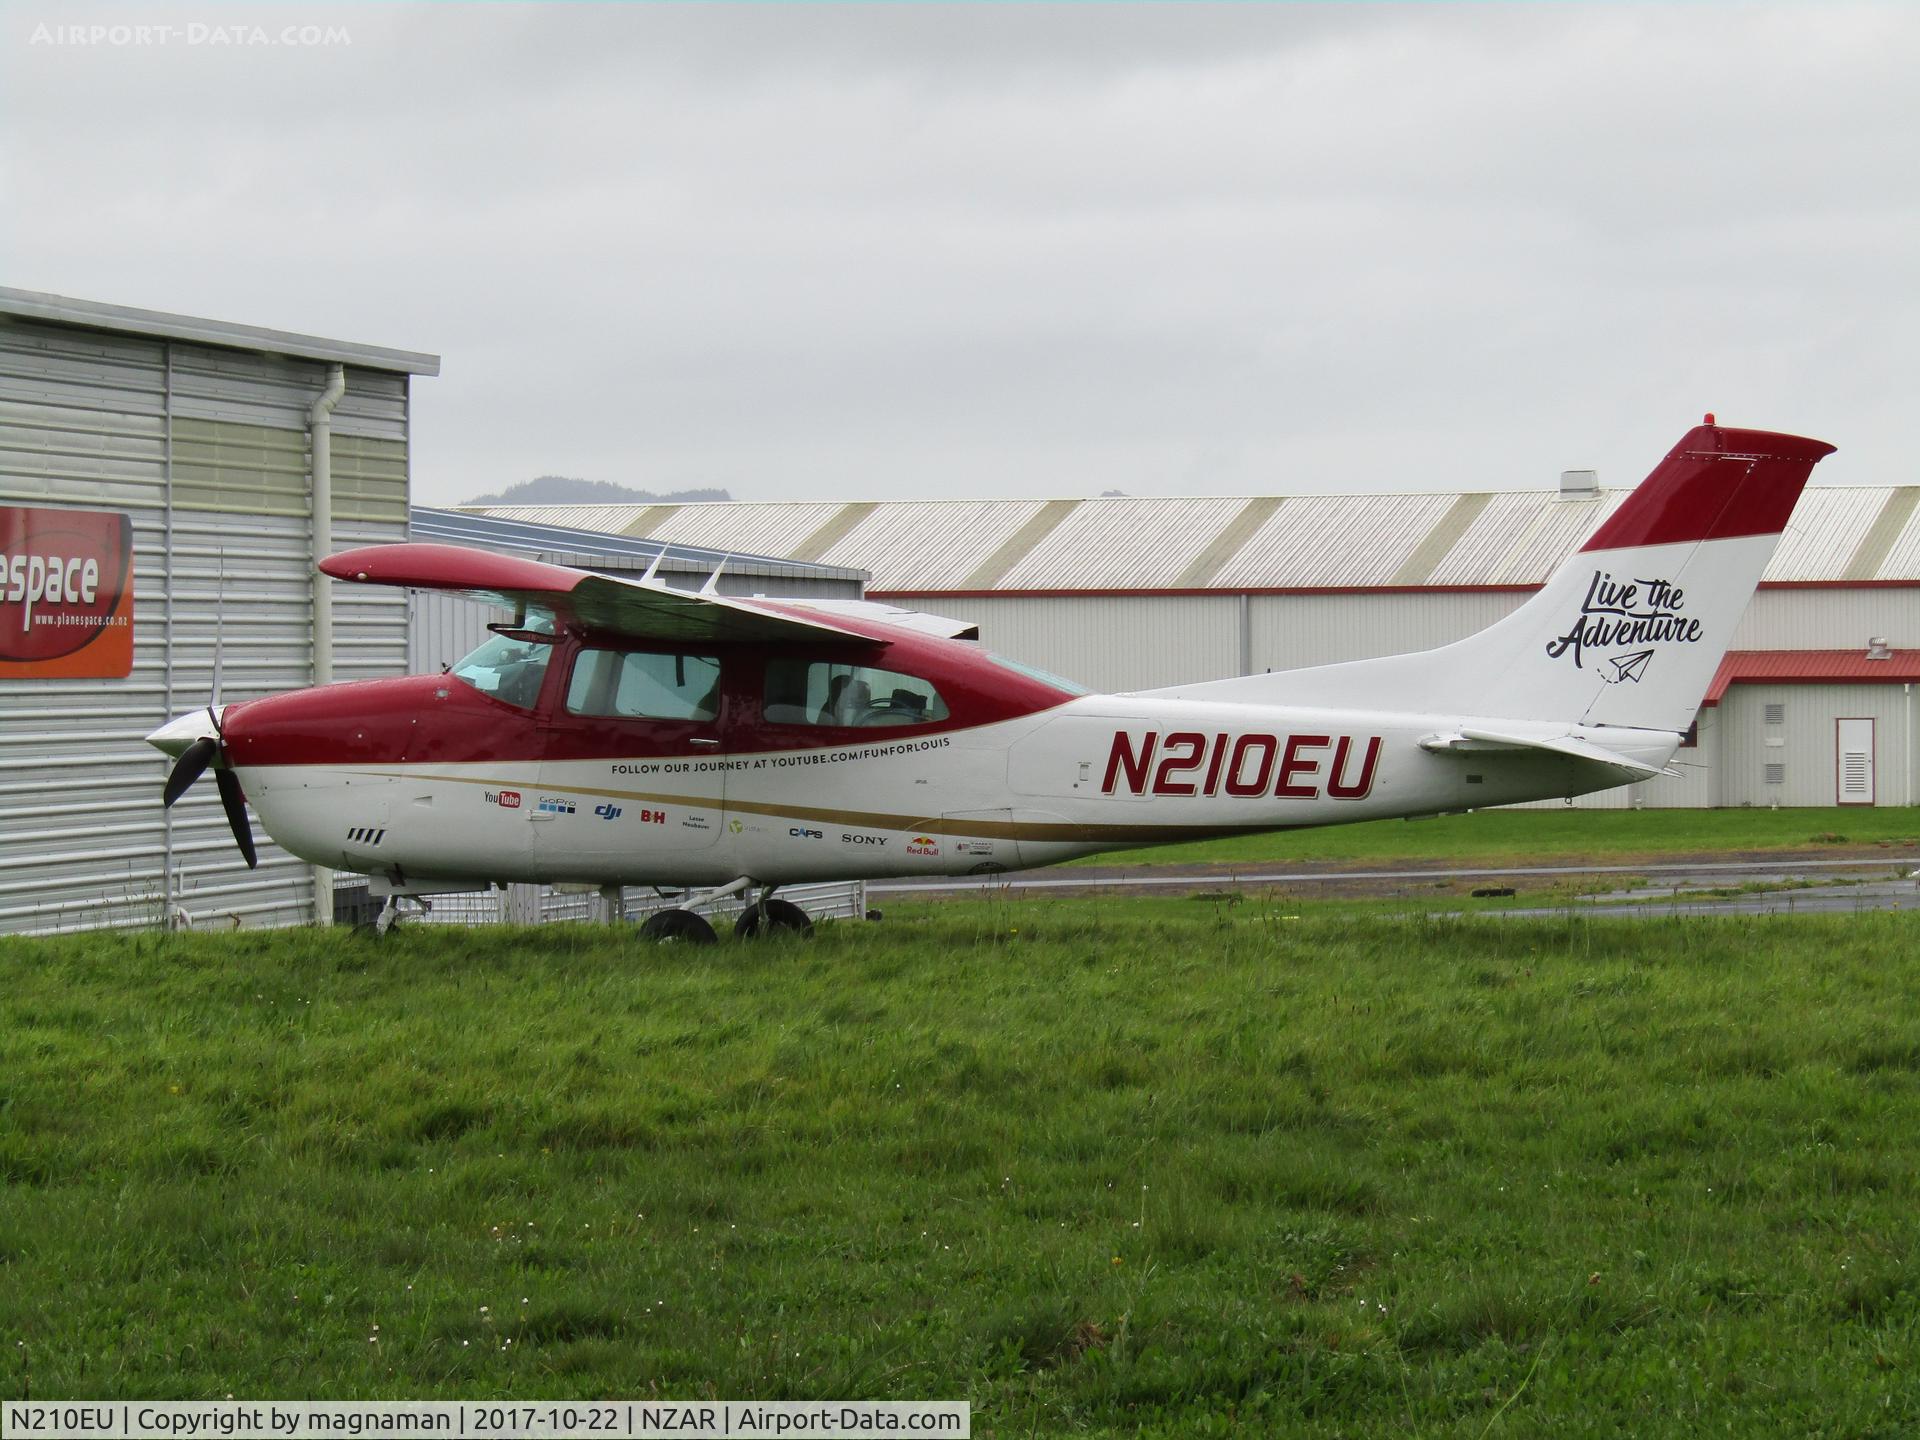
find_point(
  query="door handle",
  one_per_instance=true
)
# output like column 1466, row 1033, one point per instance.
column 700, row 740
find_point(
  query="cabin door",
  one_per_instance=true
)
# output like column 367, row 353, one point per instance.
column 633, row 775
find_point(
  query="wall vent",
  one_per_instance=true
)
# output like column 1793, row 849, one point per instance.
column 1776, row 774
column 1776, row 713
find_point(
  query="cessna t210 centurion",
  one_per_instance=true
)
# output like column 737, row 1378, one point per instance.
column 621, row 732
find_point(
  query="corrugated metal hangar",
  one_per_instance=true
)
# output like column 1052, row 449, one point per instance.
column 182, row 454
column 1128, row 593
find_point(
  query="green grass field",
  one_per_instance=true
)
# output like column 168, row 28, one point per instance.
column 1534, row 836
column 1164, row 1167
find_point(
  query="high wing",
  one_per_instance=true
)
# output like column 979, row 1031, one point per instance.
column 880, row 613
column 644, row 608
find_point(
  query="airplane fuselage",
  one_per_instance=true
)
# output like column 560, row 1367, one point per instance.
column 621, row 731
column 426, row 779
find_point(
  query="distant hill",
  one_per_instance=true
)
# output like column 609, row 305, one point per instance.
column 565, row 490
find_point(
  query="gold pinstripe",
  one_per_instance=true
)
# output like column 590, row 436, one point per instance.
column 1056, row 830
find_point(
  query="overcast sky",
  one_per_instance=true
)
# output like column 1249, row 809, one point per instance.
column 836, row 251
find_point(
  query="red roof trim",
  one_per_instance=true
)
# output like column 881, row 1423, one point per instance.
column 1810, row 667
column 896, row 596
column 1840, row 584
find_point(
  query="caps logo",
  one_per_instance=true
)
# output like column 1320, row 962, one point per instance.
column 66, row 598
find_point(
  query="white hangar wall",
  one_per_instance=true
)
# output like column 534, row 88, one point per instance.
column 206, row 450
column 1809, row 617
column 1781, row 744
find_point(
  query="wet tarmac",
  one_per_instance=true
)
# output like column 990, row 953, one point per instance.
column 1692, row 885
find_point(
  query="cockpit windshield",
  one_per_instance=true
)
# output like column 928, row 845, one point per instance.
column 511, row 667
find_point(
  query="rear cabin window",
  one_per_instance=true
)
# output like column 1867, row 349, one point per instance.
column 821, row 692
column 643, row 685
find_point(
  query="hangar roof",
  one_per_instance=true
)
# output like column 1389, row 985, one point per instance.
column 1226, row 544
column 94, row 315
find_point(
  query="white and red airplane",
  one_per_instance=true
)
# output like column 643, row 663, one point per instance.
column 621, row 732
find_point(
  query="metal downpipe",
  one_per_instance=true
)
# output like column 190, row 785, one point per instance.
column 320, row 428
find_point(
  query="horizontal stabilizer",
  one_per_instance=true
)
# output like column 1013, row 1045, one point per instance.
column 1490, row 742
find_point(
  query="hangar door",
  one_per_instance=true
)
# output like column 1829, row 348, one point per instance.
column 1853, row 739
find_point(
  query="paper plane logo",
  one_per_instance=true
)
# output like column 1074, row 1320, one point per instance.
column 1628, row 667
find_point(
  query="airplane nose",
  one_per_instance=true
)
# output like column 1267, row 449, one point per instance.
column 178, row 733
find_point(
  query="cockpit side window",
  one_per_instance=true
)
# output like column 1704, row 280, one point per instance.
column 823, row 692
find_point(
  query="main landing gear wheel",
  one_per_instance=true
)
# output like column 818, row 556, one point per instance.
column 681, row 925
column 772, row 917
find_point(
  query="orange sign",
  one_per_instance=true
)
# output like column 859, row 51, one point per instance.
column 66, row 593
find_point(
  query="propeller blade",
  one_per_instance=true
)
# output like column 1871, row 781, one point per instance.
column 194, row 759
column 235, row 805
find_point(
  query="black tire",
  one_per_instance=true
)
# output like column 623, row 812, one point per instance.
column 782, row 916
column 681, row 925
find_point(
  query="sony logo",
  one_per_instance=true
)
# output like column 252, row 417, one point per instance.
column 863, row 839
column 1241, row 766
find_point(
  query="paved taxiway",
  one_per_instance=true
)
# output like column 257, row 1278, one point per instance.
column 1881, row 879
